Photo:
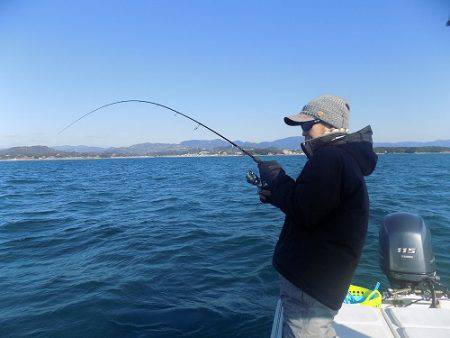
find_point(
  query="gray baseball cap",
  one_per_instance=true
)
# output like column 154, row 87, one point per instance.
column 330, row 109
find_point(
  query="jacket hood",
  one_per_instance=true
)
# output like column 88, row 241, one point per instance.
column 358, row 144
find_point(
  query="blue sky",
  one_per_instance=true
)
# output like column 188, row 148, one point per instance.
column 238, row 66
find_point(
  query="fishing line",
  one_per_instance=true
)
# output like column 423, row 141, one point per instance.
column 198, row 123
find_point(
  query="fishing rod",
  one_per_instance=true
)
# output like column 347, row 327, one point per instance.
column 245, row 152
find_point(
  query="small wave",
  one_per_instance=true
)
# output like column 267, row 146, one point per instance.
column 95, row 203
column 107, row 231
column 34, row 224
column 39, row 213
column 164, row 200
column 15, row 181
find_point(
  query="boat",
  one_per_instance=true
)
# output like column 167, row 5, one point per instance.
column 416, row 305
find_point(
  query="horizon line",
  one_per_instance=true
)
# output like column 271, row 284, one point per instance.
column 200, row 140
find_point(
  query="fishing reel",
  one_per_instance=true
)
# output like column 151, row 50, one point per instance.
column 255, row 180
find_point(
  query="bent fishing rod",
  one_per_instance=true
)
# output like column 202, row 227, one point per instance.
column 245, row 152
column 251, row 177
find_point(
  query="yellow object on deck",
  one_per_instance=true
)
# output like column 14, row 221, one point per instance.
column 372, row 298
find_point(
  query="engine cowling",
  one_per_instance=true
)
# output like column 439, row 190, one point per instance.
column 405, row 253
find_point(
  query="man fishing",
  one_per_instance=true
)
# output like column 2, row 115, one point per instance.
column 327, row 212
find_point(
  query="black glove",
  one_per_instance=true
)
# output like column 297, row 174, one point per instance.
column 269, row 172
column 264, row 195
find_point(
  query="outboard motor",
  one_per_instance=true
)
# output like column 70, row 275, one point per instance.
column 406, row 254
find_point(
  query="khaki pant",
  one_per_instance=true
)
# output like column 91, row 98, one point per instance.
column 303, row 316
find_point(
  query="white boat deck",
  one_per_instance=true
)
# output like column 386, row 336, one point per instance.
column 361, row 321
column 414, row 321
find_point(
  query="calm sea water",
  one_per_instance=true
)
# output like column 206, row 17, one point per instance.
column 169, row 247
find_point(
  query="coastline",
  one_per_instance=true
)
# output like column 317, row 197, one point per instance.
column 132, row 157
column 87, row 158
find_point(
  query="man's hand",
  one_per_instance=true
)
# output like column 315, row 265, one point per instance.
column 264, row 195
column 269, row 171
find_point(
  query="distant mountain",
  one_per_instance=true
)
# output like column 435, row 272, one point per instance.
column 190, row 147
column 205, row 144
column 80, row 149
column 437, row 143
column 148, row 148
column 292, row 143
column 29, row 151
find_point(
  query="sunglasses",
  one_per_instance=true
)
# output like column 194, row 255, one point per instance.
column 306, row 126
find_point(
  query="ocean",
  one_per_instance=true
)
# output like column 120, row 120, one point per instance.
column 170, row 247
